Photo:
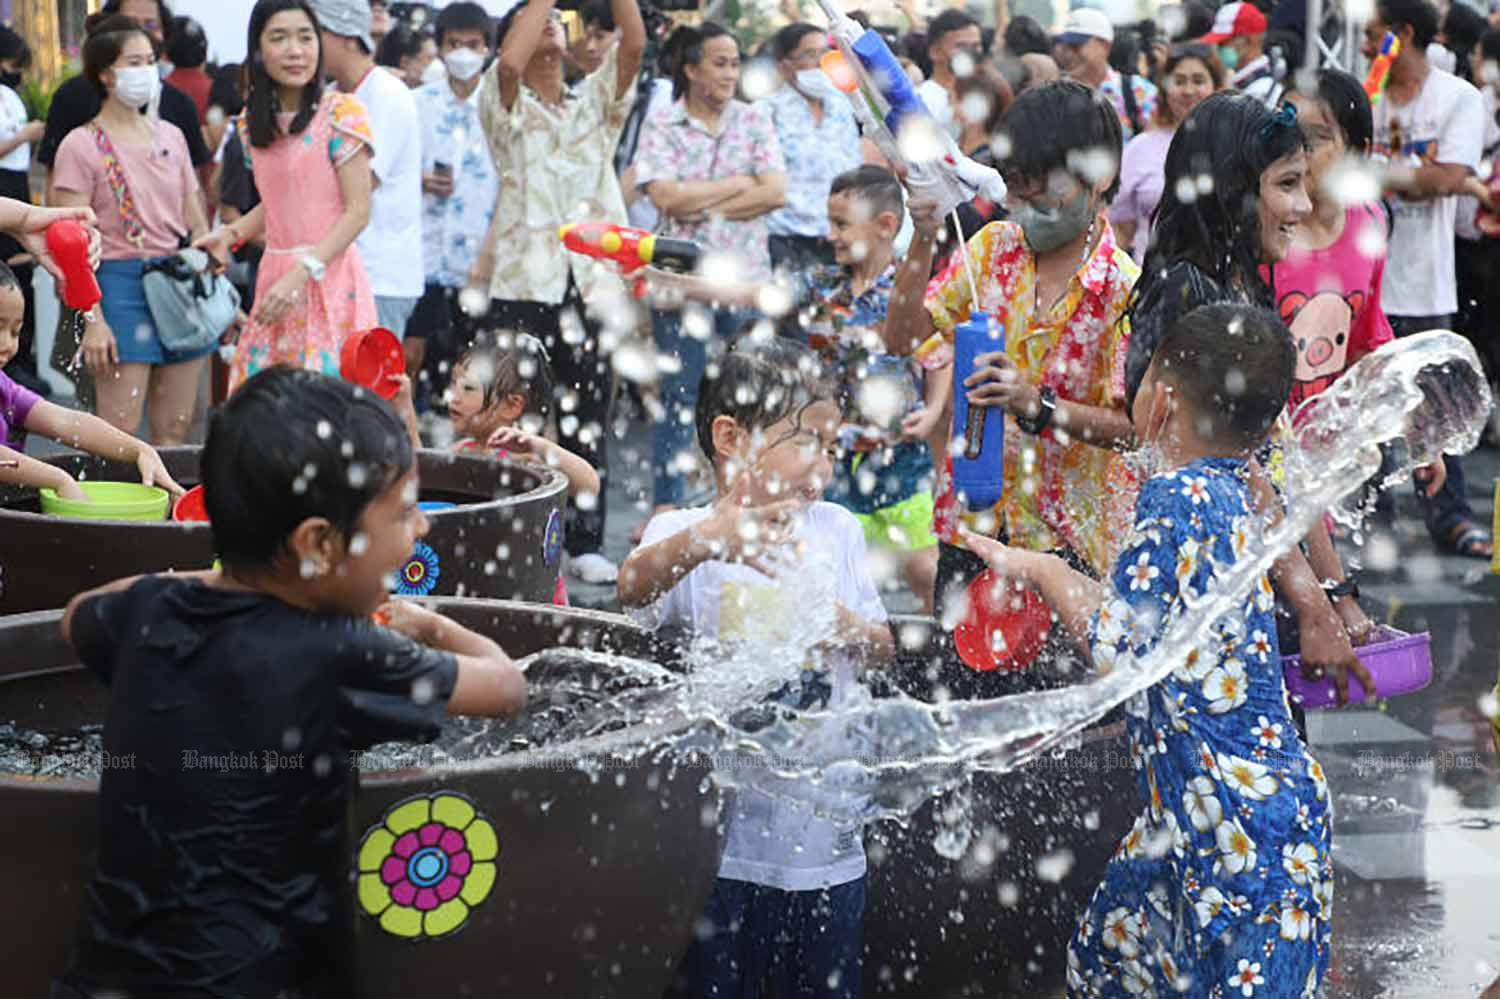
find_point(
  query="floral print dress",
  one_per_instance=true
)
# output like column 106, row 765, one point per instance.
column 297, row 176
column 1224, row 886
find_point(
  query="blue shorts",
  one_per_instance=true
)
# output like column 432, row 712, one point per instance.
column 124, row 308
column 808, row 943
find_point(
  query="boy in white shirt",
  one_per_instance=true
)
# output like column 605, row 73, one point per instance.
column 789, row 901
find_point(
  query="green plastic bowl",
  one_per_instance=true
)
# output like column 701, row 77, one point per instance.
column 110, row 501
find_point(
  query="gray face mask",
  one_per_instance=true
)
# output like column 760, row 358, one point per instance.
column 1046, row 229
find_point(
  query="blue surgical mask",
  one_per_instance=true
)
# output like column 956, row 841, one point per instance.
column 1230, row 57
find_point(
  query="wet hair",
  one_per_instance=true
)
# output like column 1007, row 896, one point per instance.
column 291, row 444
column 261, row 101
column 186, row 45
column 401, row 42
column 464, row 16
column 874, row 185
column 1231, row 139
column 1419, row 14
column 1050, row 125
column 1232, row 365
column 1347, row 103
column 13, row 46
column 1179, row 55
column 759, row 382
column 517, row 364
column 598, row 12
column 1025, row 34
column 690, row 52
column 951, row 20
column 785, row 41
column 102, row 48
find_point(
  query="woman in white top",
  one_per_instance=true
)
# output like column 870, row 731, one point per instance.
column 17, row 133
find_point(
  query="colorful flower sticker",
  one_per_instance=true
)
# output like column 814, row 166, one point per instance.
column 419, row 575
column 552, row 538
column 426, row 865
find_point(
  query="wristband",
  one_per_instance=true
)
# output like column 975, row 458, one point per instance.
column 1046, row 407
column 1348, row 588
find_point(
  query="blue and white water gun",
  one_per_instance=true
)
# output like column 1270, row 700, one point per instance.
column 896, row 119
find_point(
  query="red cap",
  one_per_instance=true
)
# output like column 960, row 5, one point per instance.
column 1235, row 19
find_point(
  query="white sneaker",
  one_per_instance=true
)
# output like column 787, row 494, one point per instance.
column 593, row 568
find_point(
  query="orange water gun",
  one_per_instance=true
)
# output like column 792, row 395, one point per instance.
column 627, row 248
column 1380, row 69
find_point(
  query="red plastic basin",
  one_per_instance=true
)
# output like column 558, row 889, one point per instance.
column 373, row 358
column 190, row 506
column 1003, row 627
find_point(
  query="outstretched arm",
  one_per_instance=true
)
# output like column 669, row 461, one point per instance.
column 521, row 42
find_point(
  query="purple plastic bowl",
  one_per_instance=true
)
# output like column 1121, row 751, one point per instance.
column 1400, row 664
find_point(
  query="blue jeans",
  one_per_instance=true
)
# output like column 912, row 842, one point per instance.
column 393, row 311
column 677, row 431
column 754, row 940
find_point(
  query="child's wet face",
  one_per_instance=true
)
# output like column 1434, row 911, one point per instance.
column 793, row 458
column 12, row 314
column 388, row 530
column 855, row 230
column 465, row 400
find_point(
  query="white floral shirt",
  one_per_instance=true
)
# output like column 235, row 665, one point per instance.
column 453, row 228
column 815, row 152
column 556, row 165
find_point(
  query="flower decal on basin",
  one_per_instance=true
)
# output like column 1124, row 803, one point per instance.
column 425, row 867
column 419, row 576
column 552, row 538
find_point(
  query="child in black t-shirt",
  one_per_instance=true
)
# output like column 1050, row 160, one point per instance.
column 238, row 697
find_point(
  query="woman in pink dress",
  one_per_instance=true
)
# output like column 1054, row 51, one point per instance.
column 310, row 153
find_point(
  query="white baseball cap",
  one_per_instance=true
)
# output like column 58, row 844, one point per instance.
column 1085, row 23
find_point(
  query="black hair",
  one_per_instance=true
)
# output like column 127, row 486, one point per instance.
column 600, row 12
column 1462, row 28
column 227, row 90
column 291, row 444
column 874, row 185
column 8, row 277
column 163, row 17
column 785, row 41
column 1489, row 45
column 13, row 46
column 102, row 48
column 1125, row 53
column 1197, row 21
column 509, row 363
column 1025, row 34
column 1180, row 54
column 1347, row 102
column 759, row 382
column 186, row 45
column 1230, row 139
column 464, row 16
column 951, row 20
column 261, row 99
column 1419, row 14
column 1232, row 365
column 690, row 52
column 1053, row 127
column 401, row 42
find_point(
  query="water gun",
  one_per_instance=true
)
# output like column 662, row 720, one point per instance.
column 979, row 463
column 68, row 242
column 1380, row 69
column 627, row 248
column 892, row 115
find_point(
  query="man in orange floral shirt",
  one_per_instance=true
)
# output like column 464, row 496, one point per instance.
column 1055, row 279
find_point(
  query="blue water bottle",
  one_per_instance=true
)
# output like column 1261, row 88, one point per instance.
column 979, row 457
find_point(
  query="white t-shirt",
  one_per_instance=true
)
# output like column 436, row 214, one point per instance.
column 391, row 245
column 12, row 120
column 779, row 840
column 1443, row 124
column 935, row 96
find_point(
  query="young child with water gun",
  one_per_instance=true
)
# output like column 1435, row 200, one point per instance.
column 235, row 876
column 1225, row 883
column 766, row 558
column 22, row 411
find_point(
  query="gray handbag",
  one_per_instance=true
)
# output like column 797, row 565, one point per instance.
column 190, row 305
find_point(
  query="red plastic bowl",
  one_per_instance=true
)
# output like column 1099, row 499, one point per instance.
column 373, row 358
column 190, row 506
column 1400, row 664
column 1003, row 627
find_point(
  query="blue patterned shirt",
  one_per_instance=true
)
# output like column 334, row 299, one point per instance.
column 1145, row 95
column 815, row 154
column 453, row 228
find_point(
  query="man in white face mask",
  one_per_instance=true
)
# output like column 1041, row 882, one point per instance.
column 819, row 140
column 459, row 187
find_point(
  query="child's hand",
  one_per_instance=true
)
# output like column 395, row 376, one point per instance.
column 98, row 348
column 919, row 425
column 154, row 473
column 409, row 619
column 403, row 402
column 750, row 534
column 1362, row 631
column 68, row 489
column 1432, row 477
column 1005, row 560
column 516, row 441
column 1326, row 647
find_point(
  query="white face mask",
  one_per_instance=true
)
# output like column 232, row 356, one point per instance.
column 463, row 64
column 814, row 83
column 136, row 85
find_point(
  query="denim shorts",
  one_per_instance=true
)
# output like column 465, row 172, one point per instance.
column 124, row 308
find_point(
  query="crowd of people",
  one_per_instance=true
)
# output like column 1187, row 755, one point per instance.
column 1193, row 243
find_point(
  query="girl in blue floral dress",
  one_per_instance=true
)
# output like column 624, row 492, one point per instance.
column 1223, row 888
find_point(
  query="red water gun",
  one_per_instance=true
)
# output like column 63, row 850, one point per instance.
column 1380, row 69
column 627, row 248
column 68, row 242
